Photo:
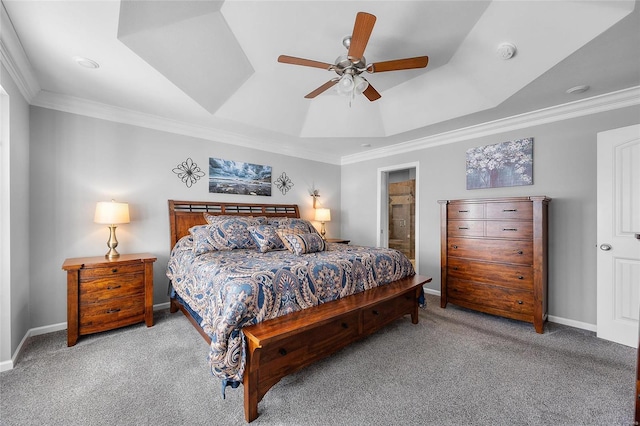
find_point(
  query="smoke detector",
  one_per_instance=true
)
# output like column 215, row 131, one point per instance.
column 506, row 51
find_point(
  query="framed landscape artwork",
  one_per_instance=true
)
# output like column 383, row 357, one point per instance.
column 234, row 177
column 502, row 164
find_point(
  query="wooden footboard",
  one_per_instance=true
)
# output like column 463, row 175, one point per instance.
column 284, row 345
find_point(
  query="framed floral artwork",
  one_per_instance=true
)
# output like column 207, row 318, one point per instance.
column 502, row 164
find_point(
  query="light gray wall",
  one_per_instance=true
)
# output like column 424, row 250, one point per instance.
column 15, row 281
column 77, row 161
column 564, row 169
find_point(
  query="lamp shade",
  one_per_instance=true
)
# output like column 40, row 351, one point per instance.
column 111, row 213
column 323, row 215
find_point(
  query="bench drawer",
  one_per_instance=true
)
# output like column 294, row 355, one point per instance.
column 382, row 314
column 299, row 348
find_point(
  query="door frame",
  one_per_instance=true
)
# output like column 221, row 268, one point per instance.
column 382, row 222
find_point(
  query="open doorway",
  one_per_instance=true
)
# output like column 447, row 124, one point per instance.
column 398, row 209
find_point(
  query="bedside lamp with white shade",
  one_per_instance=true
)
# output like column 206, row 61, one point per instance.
column 112, row 214
column 322, row 216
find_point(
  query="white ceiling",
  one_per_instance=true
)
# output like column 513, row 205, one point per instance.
column 209, row 68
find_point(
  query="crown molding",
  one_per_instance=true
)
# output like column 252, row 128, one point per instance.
column 15, row 60
column 602, row 103
column 106, row 112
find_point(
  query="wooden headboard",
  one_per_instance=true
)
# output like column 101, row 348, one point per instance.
column 185, row 214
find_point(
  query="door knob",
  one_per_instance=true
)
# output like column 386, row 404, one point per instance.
column 605, row 247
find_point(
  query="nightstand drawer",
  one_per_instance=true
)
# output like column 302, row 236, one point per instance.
column 106, row 288
column 111, row 314
column 109, row 271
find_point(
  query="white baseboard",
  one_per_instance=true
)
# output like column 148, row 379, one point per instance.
column 8, row 365
column 572, row 323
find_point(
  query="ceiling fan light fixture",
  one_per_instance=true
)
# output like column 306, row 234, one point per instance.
column 346, row 84
column 359, row 84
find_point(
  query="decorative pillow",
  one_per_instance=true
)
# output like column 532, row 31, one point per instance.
column 266, row 238
column 276, row 221
column 298, row 224
column 304, row 243
column 213, row 219
column 225, row 234
column 283, row 232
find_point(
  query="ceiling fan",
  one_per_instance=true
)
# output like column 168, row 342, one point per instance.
column 349, row 67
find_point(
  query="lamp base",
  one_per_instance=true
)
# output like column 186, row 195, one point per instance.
column 112, row 244
column 323, row 231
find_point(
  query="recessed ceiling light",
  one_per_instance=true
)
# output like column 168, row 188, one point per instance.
column 578, row 89
column 365, row 145
column 86, row 62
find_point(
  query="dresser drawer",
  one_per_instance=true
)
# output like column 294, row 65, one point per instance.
column 504, row 275
column 500, row 298
column 105, row 288
column 520, row 252
column 110, row 314
column 465, row 211
column 106, row 271
column 509, row 229
column 511, row 210
column 466, row 228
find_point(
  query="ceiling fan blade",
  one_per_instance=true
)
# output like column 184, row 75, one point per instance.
column 361, row 33
column 329, row 84
column 371, row 93
column 304, row 62
column 399, row 64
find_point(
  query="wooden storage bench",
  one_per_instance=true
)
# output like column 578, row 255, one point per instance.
column 284, row 345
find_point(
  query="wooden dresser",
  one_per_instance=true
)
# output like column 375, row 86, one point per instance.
column 494, row 256
column 103, row 294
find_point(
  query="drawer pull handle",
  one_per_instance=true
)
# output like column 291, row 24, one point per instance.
column 113, row 287
column 454, row 246
column 509, row 229
column 463, row 227
column 113, row 311
column 519, row 302
column 114, row 270
column 375, row 312
column 345, row 325
column 282, row 351
column 510, row 210
column 455, row 268
column 463, row 211
column 520, row 277
column 520, row 252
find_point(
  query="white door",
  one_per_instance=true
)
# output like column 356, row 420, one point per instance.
column 618, row 263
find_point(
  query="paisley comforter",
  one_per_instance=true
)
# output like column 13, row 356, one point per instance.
column 230, row 289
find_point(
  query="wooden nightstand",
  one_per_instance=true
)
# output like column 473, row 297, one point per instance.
column 104, row 294
column 337, row 240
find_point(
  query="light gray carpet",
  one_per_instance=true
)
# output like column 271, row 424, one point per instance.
column 455, row 367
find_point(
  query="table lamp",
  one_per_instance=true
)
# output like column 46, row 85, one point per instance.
column 112, row 214
column 322, row 216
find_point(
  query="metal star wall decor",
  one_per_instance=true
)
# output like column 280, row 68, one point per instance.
column 188, row 172
column 283, row 183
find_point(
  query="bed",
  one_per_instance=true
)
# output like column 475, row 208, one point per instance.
column 267, row 311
